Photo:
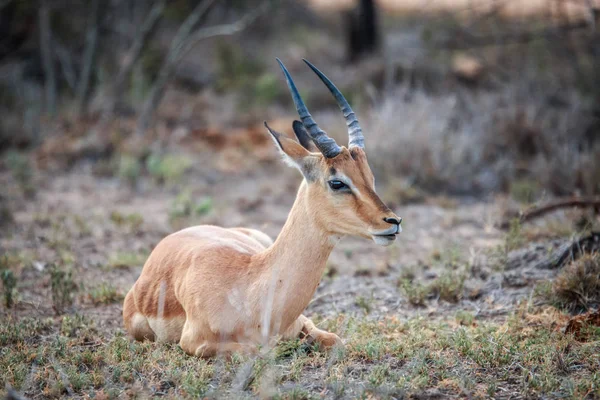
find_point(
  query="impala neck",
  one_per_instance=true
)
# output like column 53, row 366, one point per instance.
column 295, row 263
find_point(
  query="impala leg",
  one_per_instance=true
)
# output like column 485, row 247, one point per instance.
column 211, row 349
column 304, row 327
column 191, row 340
column 135, row 323
column 193, row 343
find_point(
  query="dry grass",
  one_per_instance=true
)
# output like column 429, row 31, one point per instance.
column 577, row 287
column 482, row 142
column 525, row 356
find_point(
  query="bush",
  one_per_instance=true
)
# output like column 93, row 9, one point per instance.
column 63, row 288
column 481, row 143
column 577, row 287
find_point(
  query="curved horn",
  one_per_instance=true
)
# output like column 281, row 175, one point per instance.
column 324, row 143
column 355, row 135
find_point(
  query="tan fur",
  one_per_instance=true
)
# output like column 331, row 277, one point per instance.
column 215, row 290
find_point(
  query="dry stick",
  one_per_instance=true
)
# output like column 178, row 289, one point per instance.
column 536, row 212
column 91, row 42
column 48, row 65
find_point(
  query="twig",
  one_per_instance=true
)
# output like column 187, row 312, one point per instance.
column 139, row 41
column 220, row 30
column 48, row 65
column 536, row 212
column 91, row 42
column 569, row 251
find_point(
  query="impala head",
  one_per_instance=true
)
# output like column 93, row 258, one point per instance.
column 340, row 184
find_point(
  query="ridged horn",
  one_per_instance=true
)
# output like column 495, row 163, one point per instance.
column 324, row 143
column 355, row 136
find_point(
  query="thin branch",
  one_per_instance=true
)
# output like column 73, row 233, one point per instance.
column 221, row 30
column 166, row 69
column 139, row 41
column 536, row 212
column 91, row 43
column 48, row 65
column 66, row 64
column 131, row 57
column 179, row 50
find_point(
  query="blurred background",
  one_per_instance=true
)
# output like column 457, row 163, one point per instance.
column 464, row 97
column 122, row 121
column 148, row 115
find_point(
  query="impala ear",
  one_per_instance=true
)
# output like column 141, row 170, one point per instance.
column 303, row 136
column 294, row 154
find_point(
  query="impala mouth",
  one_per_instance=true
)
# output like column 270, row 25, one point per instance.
column 387, row 237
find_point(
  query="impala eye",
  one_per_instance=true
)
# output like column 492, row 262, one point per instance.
column 337, row 185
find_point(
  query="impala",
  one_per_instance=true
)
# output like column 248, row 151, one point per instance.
column 214, row 289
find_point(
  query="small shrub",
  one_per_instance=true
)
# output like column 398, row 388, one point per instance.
column 127, row 260
column 132, row 221
column 105, row 294
column 75, row 325
column 6, row 215
column 524, row 191
column 266, row 89
column 449, row 286
column 10, row 283
column 235, row 68
column 577, row 287
column 514, row 238
column 415, row 292
column 168, row 168
column 128, row 168
column 186, row 206
column 63, row 288
column 21, row 170
column 465, row 318
column 364, row 303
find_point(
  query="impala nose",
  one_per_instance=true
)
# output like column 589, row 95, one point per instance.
column 393, row 221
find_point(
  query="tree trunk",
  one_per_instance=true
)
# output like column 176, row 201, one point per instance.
column 362, row 30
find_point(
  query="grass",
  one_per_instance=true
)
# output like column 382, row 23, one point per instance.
column 168, row 168
column 132, row 222
column 577, row 287
column 449, row 286
column 9, row 282
column 22, row 171
column 128, row 168
column 415, row 292
column 63, row 288
column 105, row 293
column 523, row 356
column 127, row 259
column 185, row 206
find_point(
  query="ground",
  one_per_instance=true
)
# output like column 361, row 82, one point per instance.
column 450, row 310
